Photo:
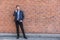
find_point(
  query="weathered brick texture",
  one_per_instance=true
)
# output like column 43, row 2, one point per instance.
column 41, row 16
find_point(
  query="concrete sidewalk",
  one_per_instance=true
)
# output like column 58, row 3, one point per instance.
column 13, row 38
column 7, row 36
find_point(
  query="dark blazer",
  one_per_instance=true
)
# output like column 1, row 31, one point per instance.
column 21, row 17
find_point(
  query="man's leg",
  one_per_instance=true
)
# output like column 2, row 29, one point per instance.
column 17, row 29
column 22, row 29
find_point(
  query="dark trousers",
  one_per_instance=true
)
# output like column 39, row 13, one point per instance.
column 17, row 28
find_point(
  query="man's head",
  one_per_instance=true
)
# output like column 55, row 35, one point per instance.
column 17, row 7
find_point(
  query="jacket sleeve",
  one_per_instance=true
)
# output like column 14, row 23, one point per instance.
column 14, row 13
column 23, row 14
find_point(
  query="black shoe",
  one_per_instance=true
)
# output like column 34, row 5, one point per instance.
column 25, row 37
column 17, row 37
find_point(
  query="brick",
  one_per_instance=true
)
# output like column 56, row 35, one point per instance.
column 41, row 16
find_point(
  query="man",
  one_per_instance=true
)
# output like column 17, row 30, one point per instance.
column 19, row 16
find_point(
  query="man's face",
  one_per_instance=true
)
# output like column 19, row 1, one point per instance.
column 18, row 8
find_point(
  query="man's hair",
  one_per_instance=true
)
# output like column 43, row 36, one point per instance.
column 17, row 6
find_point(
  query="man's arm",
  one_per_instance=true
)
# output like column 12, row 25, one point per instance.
column 23, row 14
column 14, row 13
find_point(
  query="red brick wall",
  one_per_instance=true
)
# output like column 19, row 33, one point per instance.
column 41, row 16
